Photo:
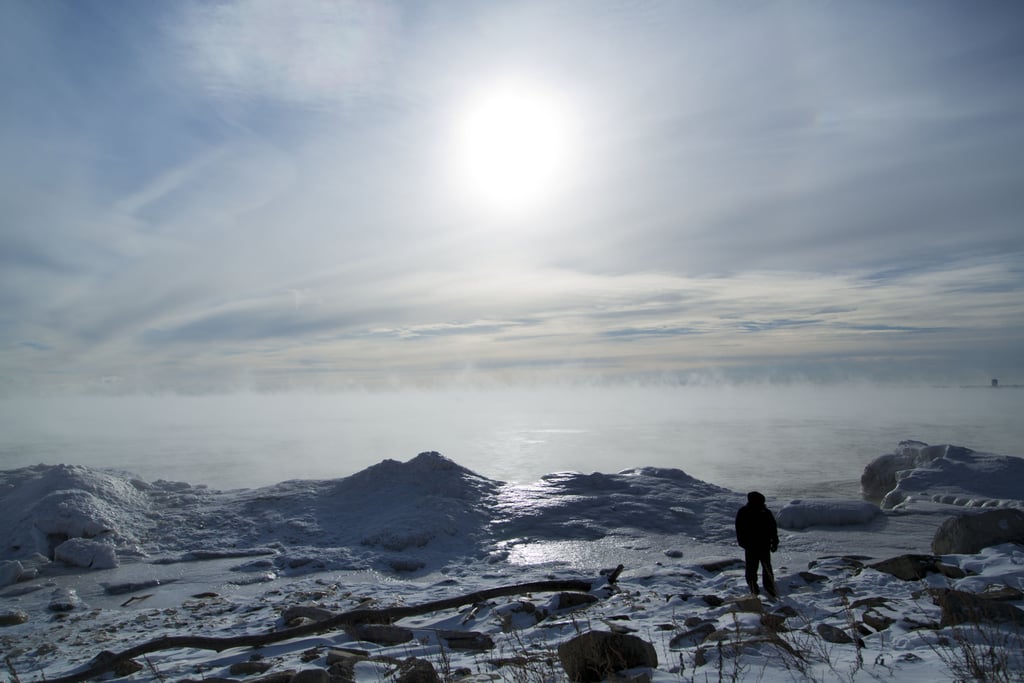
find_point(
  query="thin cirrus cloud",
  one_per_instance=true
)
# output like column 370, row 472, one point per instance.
column 203, row 196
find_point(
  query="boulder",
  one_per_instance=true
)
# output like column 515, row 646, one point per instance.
column 1001, row 592
column 695, row 636
column 250, row 667
column 10, row 572
column 747, row 604
column 84, row 552
column 877, row 620
column 881, row 475
column 381, row 634
column 959, row 607
column 416, row 670
column 593, row 656
column 64, row 600
column 467, row 640
column 915, row 567
column 573, row 600
column 311, row 676
column 306, row 612
column 968, row 534
column 13, row 618
column 720, row 565
column 833, row 634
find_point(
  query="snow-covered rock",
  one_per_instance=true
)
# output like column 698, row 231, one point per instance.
column 949, row 475
column 882, row 474
column 801, row 514
column 81, row 552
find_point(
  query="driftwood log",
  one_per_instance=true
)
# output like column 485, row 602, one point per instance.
column 107, row 661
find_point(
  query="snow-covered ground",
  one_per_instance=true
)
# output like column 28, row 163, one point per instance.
column 97, row 560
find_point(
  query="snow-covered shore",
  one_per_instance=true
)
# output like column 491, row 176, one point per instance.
column 133, row 560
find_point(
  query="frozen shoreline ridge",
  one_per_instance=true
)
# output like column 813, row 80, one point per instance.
column 426, row 528
column 429, row 511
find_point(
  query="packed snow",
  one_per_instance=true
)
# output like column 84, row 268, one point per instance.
column 94, row 560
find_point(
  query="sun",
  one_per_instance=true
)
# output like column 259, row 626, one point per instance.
column 512, row 145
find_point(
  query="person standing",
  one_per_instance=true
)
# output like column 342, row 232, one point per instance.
column 758, row 535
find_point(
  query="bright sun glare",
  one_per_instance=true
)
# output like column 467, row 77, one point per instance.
column 513, row 143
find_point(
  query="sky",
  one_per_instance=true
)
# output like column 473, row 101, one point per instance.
column 201, row 197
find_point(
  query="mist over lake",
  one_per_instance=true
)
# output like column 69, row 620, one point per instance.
column 791, row 440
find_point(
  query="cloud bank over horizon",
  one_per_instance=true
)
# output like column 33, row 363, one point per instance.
column 201, row 197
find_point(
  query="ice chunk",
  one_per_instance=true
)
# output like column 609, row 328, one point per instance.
column 801, row 514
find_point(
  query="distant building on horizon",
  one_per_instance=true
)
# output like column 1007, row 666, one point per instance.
column 995, row 383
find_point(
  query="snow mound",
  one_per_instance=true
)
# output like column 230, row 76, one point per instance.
column 801, row 514
column 44, row 507
column 945, row 474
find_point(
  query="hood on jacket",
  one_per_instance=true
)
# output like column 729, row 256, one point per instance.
column 755, row 498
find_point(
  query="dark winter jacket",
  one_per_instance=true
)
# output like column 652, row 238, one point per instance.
column 755, row 525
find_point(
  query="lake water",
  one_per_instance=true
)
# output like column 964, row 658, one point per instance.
column 789, row 441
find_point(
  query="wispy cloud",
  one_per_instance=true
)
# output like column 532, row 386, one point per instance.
column 200, row 196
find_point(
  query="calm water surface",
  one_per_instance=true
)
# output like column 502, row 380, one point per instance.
column 792, row 441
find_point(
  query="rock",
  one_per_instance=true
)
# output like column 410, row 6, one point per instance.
column 64, row 600
column 695, row 636
column 881, row 475
column 467, row 640
column 13, row 618
column 749, row 604
column 833, row 634
column 338, row 654
column 311, row 676
column 343, row 672
column 959, row 607
column 950, row 571
column 381, row 634
column 284, row 676
column 415, row 670
column 250, row 667
column 810, row 577
column 126, row 667
column 968, row 534
column 342, row 665
column 84, row 552
column 773, row 622
column 674, row 554
column 10, row 572
column 877, row 620
column 873, row 601
column 716, row 566
column 592, row 656
column 908, row 567
column 306, row 612
column 1002, row 593
column 787, row 611
column 571, row 600
column 712, row 600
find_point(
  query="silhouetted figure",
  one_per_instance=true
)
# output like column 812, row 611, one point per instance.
column 758, row 535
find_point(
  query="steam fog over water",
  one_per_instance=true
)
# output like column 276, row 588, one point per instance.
column 791, row 441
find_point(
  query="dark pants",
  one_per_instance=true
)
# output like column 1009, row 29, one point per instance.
column 763, row 557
